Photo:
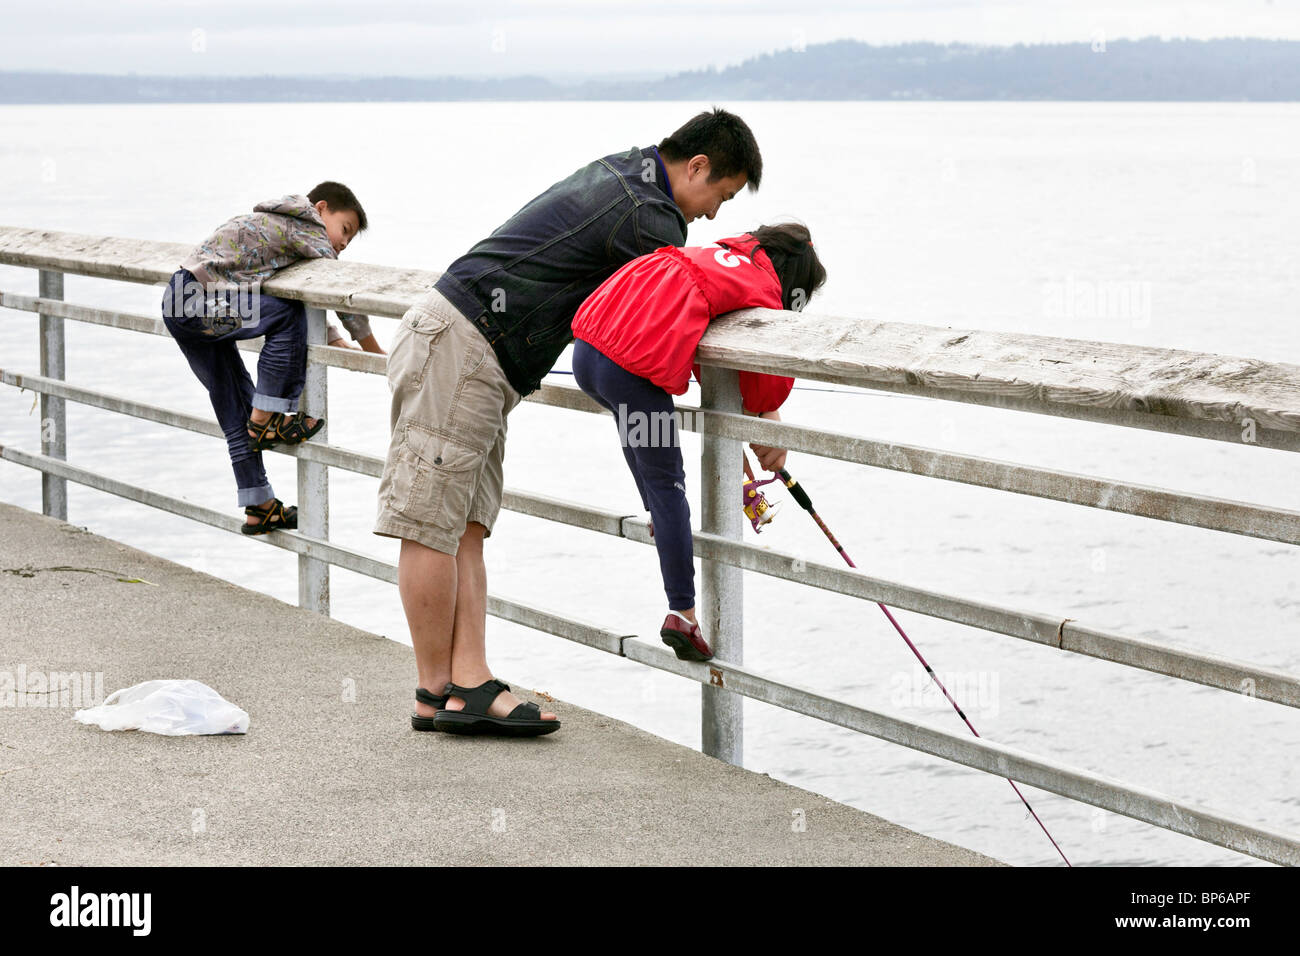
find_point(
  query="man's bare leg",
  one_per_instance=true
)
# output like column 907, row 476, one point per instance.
column 469, row 642
column 426, row 580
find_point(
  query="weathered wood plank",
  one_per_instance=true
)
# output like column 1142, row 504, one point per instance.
column 353, row 286
column 1201, row 394
column 132, row 260
column 1033, row 372
column 330, row 284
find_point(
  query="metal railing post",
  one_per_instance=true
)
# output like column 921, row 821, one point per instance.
column 54, row 415
column 721, row 609
column 314, row 481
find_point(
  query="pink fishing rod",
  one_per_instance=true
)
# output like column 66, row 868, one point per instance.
column 801, row 496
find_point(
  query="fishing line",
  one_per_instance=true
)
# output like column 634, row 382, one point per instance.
column 801, row 496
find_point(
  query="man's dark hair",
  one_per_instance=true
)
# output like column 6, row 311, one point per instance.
column 340, row 199
column 724, row 138
column 789, row 246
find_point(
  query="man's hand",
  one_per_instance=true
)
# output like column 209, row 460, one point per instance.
column 770, row 459
column 342, row 343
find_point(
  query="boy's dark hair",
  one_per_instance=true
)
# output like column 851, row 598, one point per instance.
column 340, row 199
column 789, row 246
column 724, row 138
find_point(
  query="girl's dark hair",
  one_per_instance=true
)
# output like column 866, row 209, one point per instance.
column 340, row 199
column 789, row 246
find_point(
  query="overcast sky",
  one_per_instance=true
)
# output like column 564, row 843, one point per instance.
column 560, row 37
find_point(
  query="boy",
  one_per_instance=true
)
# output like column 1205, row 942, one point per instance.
column 465, row 355
column 213, row 300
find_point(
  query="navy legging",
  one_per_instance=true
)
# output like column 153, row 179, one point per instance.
column 647, row 428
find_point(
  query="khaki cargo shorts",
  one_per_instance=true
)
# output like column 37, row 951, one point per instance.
column 448, row 421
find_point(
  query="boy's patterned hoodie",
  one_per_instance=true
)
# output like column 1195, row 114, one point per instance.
column 254, row 247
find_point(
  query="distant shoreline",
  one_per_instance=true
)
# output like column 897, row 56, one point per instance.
column 1148, row 70
column 689, row 101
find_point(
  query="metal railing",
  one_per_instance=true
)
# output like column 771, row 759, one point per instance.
column 892, row 356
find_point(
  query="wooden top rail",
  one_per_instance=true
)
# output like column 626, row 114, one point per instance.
column 326, row 283
column 1192, row 393
column 1122, row 384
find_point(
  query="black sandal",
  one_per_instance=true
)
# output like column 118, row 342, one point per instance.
column 524, row 721
column 264, row 433
column 274, row 515
column 433, row 700
column 294, row 431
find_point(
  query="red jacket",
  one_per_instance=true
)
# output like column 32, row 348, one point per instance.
column 650, row 315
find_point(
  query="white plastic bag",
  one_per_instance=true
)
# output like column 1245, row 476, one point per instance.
column 171, row 707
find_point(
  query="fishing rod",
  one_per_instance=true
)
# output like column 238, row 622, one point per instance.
column 755, row 510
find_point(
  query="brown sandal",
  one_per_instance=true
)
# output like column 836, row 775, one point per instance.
column 279, row 430
column 273, row 516
column 264, row 434
column 294, row 431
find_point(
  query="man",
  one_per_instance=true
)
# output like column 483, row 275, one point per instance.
column 466, row 354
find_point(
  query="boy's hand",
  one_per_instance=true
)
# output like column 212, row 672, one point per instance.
column 368, row 344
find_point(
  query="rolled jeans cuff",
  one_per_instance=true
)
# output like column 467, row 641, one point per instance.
column 270, row 403
column 255, row 496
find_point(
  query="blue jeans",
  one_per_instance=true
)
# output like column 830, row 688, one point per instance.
column 647, row 427
column 206, row 327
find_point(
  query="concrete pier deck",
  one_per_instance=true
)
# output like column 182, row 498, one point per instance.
column 321, row 779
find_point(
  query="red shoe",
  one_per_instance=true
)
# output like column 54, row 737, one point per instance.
column 685, row 639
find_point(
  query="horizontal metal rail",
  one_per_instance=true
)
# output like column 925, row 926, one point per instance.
column 1161, row 504
column 979, row 753
column 1055, row 631
column 298, row 543
column 1063, row 634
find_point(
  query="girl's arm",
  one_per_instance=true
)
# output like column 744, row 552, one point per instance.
column 763, row 395
column 770, row 459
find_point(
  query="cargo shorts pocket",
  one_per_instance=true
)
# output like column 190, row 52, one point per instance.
column 415, row 346
column 434, row 478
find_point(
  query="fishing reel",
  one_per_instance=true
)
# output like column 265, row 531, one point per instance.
column 757, row 508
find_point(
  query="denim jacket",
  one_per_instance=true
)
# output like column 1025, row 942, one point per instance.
column 522, row 284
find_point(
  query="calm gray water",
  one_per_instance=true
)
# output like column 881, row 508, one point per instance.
column 990, row 216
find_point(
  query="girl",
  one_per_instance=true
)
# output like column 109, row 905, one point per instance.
column 636, row 339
